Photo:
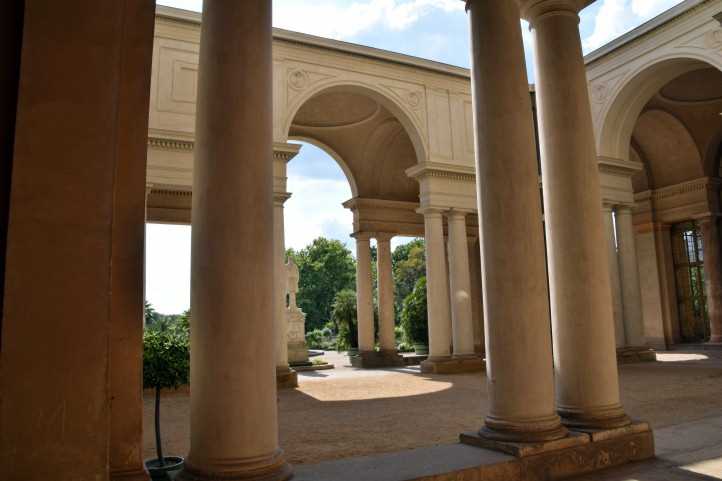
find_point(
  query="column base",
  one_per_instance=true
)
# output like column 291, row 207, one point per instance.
column 715, row 339
column 139, row 474
column 578, row 453
column 286, row 378
column 453, row 365
column 279, row 471
column 605, row 418
column 377, row 359
column 634, row 354
column 298, row 353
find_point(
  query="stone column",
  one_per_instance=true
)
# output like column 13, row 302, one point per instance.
column 462, row 327
column 709, row 228
column 618, row 310
column 520, row 381
column 387, row 336
column 285, row 376
column 437, row 287
column 234, row 426
column 629, row 273
column 70, row 361
column 581, row 302
column 364, row 294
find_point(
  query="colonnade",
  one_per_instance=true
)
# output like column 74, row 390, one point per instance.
column 709, row 228
column 367, row 355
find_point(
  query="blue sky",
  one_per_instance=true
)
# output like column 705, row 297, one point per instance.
column 432, row 29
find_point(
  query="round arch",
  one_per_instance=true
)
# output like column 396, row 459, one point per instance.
column 335, row 156
column 634, row 92
column 397, row 109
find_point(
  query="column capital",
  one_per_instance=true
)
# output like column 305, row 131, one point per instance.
column 456, row 213
column 707, row 218
column 431, row 211
column 362, row 236
column 608, row 206
column 281, row 197
column 624, row 209
column 535, row 10
column 383, row 236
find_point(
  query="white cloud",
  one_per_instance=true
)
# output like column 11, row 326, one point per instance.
column 167, row 268
column 616, row 17
column 315, row 210
column 339, row 20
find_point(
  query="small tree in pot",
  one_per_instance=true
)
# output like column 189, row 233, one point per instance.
column 414, row 318
column 166, row 365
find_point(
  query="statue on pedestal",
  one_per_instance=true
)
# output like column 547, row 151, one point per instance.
column 296, row 319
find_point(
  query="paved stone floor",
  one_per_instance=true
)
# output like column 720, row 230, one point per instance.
column 347, row 412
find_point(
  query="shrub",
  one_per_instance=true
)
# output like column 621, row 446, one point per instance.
column 343, row 315
column 414, row 318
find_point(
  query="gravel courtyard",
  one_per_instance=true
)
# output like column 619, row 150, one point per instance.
column 347, row 412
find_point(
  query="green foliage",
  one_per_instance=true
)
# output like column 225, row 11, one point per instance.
column 320, row 339
column 344, row 317
column 166, row 355
column 409, row 265
column 151, row 315
column 414, row 318
column 325, row 268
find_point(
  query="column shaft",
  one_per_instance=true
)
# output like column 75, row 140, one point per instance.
column 709, row 228
column 364, row 294
column 460, row 283
column 234, row 426
column 629, row 270
column 437, row 287
column 279, row 299
column 70, row 360
column 581, row 302
column 517, row 334
column 617, row 307
column 387, row 335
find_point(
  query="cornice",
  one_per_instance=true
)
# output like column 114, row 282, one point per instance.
column 284, row 151
column 164, row 143
column 682, row 188
column 169, row 190
column 610, row 165
column 442, row 170
column 360, row 202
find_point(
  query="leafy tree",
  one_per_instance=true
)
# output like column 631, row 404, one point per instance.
column 325, row 267
column 409, row 265
column 344, row 317
column 414, row 317
column 166, row 365
column 151, row 315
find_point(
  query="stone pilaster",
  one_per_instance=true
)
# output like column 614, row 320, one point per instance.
column 234, row 424
column 709, row 228
column 587, row 384
column 521, row 389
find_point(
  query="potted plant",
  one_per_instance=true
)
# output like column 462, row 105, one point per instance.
column 414, row 319
column 166, row 365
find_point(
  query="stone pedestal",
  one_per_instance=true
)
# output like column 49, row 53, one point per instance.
column 297, row 348
column 631, row 355
column 455, row 365
column 377, row 359
column 286, row 378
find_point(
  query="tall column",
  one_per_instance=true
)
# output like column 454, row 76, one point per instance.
column 70, row 373
column 234, row 426
column 581, row 302
column 285, row 376
column 629, row 273
column 437, row 287
column 462, row 328
column 618, row 309
column 364, row 294
column 709, row 227
column 387, row 335
column 520, row 381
